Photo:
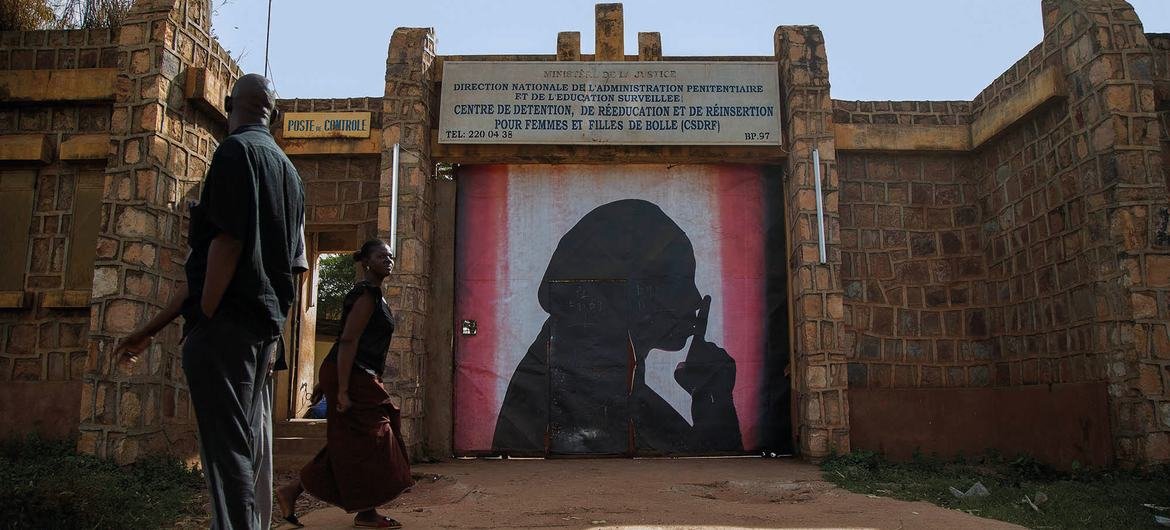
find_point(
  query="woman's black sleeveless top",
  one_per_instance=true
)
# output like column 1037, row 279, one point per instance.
column 375, row 338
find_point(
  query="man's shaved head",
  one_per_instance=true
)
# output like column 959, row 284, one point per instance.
column 253, row 102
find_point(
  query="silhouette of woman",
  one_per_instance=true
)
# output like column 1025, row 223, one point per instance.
column 620, row 283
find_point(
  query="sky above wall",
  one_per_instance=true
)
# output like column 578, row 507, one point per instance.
column 900, row 50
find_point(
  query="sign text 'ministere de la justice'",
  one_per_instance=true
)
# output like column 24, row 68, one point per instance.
column 679, row 103
column 326, row 125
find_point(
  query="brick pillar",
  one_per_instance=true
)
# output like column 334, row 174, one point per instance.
column 406, row 120
column 1107, row 60
column 610, row 36
column 819, row 375
column 160, row 149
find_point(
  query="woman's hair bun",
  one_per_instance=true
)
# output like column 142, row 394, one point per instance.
column 367, row 247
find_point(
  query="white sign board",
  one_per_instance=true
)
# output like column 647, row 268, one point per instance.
column 642, row 103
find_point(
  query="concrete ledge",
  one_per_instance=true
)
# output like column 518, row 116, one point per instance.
column 85, row 147
column 66, row 300
column 1034, row 93
column 892, row 137
column 336, row 241
column 13, row 300
column 25, row 148
column 84, row 84
column 1057, row 424
column 332, row 146
column 206, row 91
column 1044, row 87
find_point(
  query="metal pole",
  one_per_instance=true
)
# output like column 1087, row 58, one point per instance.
column 267, row 38
column 394, row 203
column 816, row 155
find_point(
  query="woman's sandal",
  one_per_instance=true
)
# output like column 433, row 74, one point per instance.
column 382, row 522
column 287, row 512
column 292, row 519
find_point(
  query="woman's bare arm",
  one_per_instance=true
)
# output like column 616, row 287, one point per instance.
column 355, row 324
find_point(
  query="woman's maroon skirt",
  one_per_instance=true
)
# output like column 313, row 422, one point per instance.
column 363, row 464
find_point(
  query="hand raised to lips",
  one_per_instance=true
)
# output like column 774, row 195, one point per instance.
column 708, row 369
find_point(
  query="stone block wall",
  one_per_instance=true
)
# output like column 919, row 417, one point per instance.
column 913, row 270
column 43, row 343
column 819, row 375
column 1069, row 198
column 1013, row 79
column 1160, row 43
column 58, row 49
column 1157, row 343
column 407, row 120
column 902, row 112
column 341, row 191
column 161, row 145
column 1041, row 282
column 1056, row 229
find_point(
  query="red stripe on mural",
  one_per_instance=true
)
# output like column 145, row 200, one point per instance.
column 740, row 200
column 481, row 270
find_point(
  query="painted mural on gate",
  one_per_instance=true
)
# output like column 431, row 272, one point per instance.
column 618, row 309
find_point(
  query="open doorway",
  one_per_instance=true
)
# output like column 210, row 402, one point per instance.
column 314, row 323
column 333, row 275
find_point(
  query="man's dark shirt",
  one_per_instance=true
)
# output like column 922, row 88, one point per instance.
column 253, row 193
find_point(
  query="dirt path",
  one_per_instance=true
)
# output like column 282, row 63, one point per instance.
column 686, row 493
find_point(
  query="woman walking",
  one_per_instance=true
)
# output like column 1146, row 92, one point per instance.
column 363, row 464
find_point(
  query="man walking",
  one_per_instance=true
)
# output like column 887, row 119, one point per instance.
column 246, row 238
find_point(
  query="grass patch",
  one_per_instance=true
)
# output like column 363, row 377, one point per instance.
column 1077, row 499
column 47, row 484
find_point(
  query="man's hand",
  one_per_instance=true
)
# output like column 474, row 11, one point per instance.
column 132, row 346
column 272, row 359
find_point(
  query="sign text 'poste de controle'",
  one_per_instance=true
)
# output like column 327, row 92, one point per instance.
column 327, row 125
column 679, row 103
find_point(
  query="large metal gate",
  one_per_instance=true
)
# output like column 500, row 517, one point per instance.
column 617, row 310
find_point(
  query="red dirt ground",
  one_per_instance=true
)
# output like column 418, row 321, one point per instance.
column 657, row 493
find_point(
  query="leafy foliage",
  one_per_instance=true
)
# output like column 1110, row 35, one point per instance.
column 25, row 15
column 336, row 274
column 47, row 484
column 93, row 13
column 1077, row 499
column 28, row 15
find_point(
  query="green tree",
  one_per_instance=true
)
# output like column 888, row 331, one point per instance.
column 25, row 15
column 335, row 277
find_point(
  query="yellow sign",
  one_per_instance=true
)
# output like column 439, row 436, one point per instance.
column 327, row 125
